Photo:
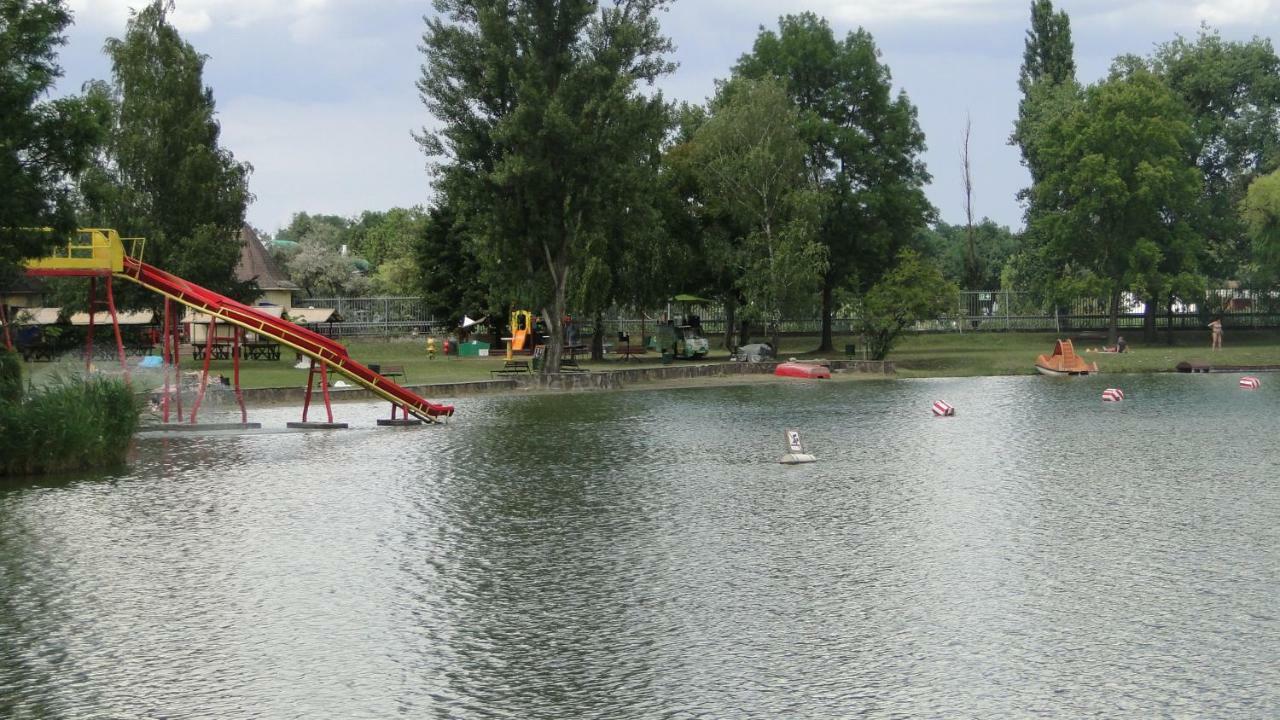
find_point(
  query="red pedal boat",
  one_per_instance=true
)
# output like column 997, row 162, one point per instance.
column 802, row 370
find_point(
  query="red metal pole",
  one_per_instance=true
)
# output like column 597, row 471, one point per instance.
column 164, row 353
column 88, row 343
column 306, row 399
column 115, row 323
column 177, row 363
column 235, row 372
column 204, row 374
column 324, row 386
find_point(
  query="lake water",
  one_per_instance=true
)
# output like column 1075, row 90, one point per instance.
column 640, row 554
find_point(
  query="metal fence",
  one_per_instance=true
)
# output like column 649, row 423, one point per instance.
column 990, row 311
column 378, row 316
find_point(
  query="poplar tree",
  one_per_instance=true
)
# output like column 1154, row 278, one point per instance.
column 1048, row 70
column 163, row 174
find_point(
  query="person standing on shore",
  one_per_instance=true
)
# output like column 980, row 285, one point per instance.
column 1216, row 327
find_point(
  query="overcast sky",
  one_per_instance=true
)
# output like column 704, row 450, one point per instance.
column 319, row 95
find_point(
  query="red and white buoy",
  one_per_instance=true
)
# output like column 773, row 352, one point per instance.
column 942, row 409
column 1250, row 383
column 1112, row 395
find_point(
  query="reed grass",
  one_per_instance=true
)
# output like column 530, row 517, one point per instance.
column 68, row 424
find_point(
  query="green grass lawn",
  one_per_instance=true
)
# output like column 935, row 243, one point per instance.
column 934, row 355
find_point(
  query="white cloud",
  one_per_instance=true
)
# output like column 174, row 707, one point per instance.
column 874, row 13
column 304, row 20
column 333, row 157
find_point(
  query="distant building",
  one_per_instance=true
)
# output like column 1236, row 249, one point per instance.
column 258, row 265
column 255, row 264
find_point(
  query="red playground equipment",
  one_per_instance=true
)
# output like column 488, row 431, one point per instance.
column 100, row 253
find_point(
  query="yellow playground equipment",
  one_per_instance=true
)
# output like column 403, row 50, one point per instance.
column 521, row 331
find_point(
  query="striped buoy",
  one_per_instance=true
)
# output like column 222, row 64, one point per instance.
column 1250, row 383
column 942, row 409
column 1112, row 395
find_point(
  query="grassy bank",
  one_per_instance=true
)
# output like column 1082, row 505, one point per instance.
column 67, row 424
column 937, row 355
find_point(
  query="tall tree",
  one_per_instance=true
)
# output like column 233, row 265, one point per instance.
column 163, row 174
column 542, row 117
column 1260, row 211
column 752, row 161
column 43, row 143
column 972, row 270
column 1118, row 194
column 1047, row 63
column 864, row 147
column 1233, row 91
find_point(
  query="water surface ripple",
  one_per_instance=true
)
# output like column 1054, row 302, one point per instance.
column 641, row 555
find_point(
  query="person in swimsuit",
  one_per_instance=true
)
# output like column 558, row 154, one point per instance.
column 1216, row 327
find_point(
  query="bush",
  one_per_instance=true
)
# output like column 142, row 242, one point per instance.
column 72, row 424
column 10, row 376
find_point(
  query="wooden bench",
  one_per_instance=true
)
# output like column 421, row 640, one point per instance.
column 511, row 367
column 38, row 352
column 219, row 351
column 630, row 352
column 392, row 371
column 260, row 351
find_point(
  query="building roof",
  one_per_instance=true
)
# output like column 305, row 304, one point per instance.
column 311, row 316
column 49, row 316
column 256, row 264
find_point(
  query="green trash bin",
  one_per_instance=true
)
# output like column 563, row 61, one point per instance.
column 667, row 357
column 473, row 348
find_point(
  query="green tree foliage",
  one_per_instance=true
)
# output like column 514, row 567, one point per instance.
column 752, row 162
column 43, row 143
column 163, row 174
column 947, row 244
column 913, row 291
column 1048, row 63
column 1260, row 211
column 381, row 237
column 453, row 282
column 863, row 147
column 325, row 272
column 1118, row 194
column 543, row 125
column 704, row 239
column 331, row 230
column 1233, row 91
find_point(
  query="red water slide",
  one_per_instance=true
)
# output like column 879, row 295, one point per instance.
column 282, row 331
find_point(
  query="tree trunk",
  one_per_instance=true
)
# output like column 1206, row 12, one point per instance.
column 1149, row 319
column 826, row 345
column 730, row 317
column 555, row 344
column 1168, row 313
column 1114, row 323
column 597, row 337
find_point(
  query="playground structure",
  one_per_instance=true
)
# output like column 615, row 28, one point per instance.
column 100, row 254
column 522, row 332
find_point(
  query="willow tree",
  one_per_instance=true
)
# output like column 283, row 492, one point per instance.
column 543, row 123
column 751, row 159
